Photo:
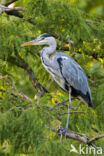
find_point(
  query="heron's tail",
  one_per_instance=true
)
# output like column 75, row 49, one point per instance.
column 89, row 100
column 90, row 104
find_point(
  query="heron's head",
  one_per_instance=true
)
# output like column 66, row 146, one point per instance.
column 44, row 39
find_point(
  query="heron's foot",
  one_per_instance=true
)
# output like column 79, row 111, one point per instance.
column 62, row 131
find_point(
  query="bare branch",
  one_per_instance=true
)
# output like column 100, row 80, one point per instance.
column 72, row 135
column 94, row 22
column 24, row 96
column 10, row 2
column 20, row 94
column 59, row 104
column 15, row 11
column 78, row 136
column 96, row 138
column 72, row 112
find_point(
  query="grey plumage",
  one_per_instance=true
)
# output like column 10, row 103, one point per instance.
column 63, row 69
column 66, row 72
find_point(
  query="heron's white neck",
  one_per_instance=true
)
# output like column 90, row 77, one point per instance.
column 50, row 49
column 46, row 51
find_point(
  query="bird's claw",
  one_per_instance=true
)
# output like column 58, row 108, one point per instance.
column 62, row 131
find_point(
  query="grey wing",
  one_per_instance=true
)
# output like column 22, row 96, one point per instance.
column 74, row 74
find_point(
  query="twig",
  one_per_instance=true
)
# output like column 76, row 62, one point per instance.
column 20, row 94
column 72, row 112
column 21, row 108
column 59, row 104
column 31, row 21
column 94, row 22
column 96, row 138
column 24, row 96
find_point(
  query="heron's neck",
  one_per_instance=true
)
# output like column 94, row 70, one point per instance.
column 49, row 49
column 46, row 51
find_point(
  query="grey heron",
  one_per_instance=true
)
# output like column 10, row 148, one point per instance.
column 66, row 72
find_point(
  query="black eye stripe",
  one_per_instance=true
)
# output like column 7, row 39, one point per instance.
column 45, row 35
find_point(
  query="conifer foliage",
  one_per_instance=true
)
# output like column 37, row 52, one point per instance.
column 27, row 92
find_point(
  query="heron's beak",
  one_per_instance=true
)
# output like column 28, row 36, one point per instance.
column 33, row 42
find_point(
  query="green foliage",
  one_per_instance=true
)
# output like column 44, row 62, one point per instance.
column 25, row 126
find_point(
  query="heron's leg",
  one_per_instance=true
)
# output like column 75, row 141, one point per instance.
column 69, row 107
column 62, row 130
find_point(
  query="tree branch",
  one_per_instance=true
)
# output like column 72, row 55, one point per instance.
column 72, row 112
column 78, row 137
column 15, row 11
column 72, row 135
column 96, row 138
column 22, row 64
column 75, row 135
column 94, row 22
column 10, row 2
column 59, row 104
column 18, row 61
column 20, row 94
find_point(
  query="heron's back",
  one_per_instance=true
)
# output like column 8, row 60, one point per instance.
column 73, row 76
column 67, row 73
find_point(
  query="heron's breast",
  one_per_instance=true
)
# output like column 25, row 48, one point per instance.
column 56, row 76
column 59, row 80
